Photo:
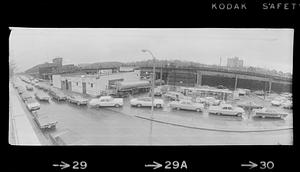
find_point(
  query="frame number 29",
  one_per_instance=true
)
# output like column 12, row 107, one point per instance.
column 79, row 165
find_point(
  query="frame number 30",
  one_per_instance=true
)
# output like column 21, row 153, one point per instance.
column 266, row 165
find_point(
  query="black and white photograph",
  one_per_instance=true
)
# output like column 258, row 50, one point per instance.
column 150, row 86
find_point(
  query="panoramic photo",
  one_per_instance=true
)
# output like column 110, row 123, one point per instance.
column 158, row 86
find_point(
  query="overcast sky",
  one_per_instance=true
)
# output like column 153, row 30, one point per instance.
column 268, row 48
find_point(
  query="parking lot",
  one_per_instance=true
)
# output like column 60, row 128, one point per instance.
column 131, row 125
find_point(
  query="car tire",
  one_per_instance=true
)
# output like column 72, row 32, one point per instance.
column 117, row 105
column 198, row 110
column 138, row 105
column 239, row 115
column 178, row 108
column 158, row 106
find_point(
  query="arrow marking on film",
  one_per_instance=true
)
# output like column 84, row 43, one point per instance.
column 155, row 165
column 251, row 165
column 63, row 165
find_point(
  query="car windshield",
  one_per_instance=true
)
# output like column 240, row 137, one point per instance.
column 146, row 99
column 31, row 101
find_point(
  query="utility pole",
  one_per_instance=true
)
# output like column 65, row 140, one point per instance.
column 152, row 92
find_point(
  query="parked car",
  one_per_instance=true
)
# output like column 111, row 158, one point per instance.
column 119, row 94
column 277, row 101
column 29, row 87
column 157, row 91
column 187, row 105
column 25, row 96
column 269, row 113
column 221, row 87
column 42, row 96
column 209, row 101
column 146, row 101
column 249, row 105
column 32, row 104
column 286, row 95
column 21, row 90
column 107, row 101
column 287, row 104
column 77, row 100
column 58, row 95
column 226, row 109
column 44, row 86
column 259, row 92
column 173, row 95
column 44, row 121
column 66, row 137
column 200, row 100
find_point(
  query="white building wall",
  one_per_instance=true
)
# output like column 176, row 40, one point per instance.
column 56, row 81
column 91, row 87
column 76, row 84
column 99, row 85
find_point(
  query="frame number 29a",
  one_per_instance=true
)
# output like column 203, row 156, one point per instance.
column 175, row 165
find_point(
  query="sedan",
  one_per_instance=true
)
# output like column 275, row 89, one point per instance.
column 106, row 101
column 44, row 121
column 58, row 95
column 147, row 102
column 42, row 96
column 287, row 104
column 187, row 105
column 77, row 100
column 226, row 109
column 29, row 87
column 32, row 104
column 21, row 90
column 269, row 113
column 25, row 96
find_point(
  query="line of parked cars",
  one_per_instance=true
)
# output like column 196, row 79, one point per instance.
column 44, row 121
column 282, row 101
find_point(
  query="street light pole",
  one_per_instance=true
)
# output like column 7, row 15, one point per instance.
column 153, row 85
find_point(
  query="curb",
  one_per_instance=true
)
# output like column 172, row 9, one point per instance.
column 217, row 130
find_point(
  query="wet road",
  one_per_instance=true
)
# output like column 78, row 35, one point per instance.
column 113, row 126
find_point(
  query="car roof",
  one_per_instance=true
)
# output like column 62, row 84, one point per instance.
column 226, row 105
column 105, row 97
column 188, row 101
column 31, row 100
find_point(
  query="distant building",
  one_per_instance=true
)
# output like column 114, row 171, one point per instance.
column 46, row 70
column 126, row 69
column 57, row 61
column 234, row 62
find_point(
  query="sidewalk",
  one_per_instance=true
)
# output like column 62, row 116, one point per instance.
column 22, row 130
